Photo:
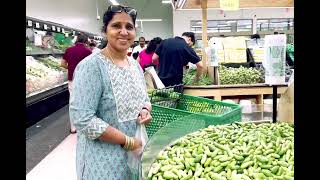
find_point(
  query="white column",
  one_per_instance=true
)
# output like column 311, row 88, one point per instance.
column 254, row 25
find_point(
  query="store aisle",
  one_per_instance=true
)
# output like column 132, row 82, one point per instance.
column 43, row 137
column 58, row 164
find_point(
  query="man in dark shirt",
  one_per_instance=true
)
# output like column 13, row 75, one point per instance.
column 71, row 58
column 173, row 54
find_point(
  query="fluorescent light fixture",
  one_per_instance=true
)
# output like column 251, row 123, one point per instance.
column 114, row 2
column 199, row 22
column 231, row 22
column 149, row 20
column 263, row 20
column 196, row 26
column 223, row 25
column 166, row 1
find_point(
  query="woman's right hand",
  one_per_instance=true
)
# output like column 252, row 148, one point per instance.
column 137, row 147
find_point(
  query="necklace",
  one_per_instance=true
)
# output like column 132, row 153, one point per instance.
column 111, row 58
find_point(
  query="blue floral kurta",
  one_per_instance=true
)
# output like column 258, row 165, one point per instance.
column 105, row 94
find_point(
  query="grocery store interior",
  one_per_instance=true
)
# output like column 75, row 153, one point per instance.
column 238, row 116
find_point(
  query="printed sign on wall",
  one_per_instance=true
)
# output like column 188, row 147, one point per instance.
column 229, row 5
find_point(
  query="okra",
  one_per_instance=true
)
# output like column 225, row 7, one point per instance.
column 170, row 175
column 246, row 164
column 286, row 177
column 282, row 163
column 274, row 169
column 266, row 172
column 198, row 172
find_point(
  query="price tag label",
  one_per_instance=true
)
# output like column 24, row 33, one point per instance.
column 45, row 27
column 37, row 25
column 53, row 28
column 58, row 29
column 29, row 23
column 62, row 30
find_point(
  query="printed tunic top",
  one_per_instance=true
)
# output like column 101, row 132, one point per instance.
column 105, row 94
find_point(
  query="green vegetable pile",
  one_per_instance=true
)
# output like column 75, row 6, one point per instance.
column 51, row 64
column 189, row 76
column 165, row 97
column 241, row 75
column 229, row 152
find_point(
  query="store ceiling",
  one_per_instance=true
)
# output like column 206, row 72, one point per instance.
column 196, row 4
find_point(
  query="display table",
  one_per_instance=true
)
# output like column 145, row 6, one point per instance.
column 219, row 91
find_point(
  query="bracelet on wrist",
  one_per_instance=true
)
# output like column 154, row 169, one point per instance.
column 129, row 143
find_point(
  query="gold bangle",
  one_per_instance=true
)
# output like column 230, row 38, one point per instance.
column 131, row 143
column 126, row 143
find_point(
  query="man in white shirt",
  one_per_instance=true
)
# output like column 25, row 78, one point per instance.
column 139, row 47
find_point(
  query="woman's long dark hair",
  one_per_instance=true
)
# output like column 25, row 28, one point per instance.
column 152, row 45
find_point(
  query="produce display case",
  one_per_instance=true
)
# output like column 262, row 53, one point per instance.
column 46, row 87
column 46, row 82
column 43, row 74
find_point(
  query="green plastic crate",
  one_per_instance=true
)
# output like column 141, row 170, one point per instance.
column 219, row 111
column 161, row 116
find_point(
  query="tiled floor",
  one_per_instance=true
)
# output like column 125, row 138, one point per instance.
column 43, row 137
column 58, row 164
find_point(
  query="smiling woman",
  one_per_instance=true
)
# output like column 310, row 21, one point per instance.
column 109, row 95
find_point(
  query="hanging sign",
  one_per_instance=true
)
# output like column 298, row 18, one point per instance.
column 37, row 25
column 62, row 30
column 45, row 27
column 275, row 59
column 58, row 29
column 29, row 23
column 53, row 28
column 229, row 5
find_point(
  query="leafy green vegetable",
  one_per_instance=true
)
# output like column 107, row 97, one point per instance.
column 191, row 74
column 241, row 75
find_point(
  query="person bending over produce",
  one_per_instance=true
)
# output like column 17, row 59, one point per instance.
column 173, row 54
column 109, row 101
column 145, row 56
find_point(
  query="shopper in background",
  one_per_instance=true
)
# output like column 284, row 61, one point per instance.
column 103, row 44
column 109, row 101
column 141, row 46
column 71, row 58
column 173, row 54
column 145, row 56
column 93, row 47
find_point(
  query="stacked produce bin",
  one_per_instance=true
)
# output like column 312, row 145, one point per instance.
column 169, row 104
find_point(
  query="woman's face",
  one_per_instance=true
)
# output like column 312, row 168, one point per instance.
column 121, row 31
